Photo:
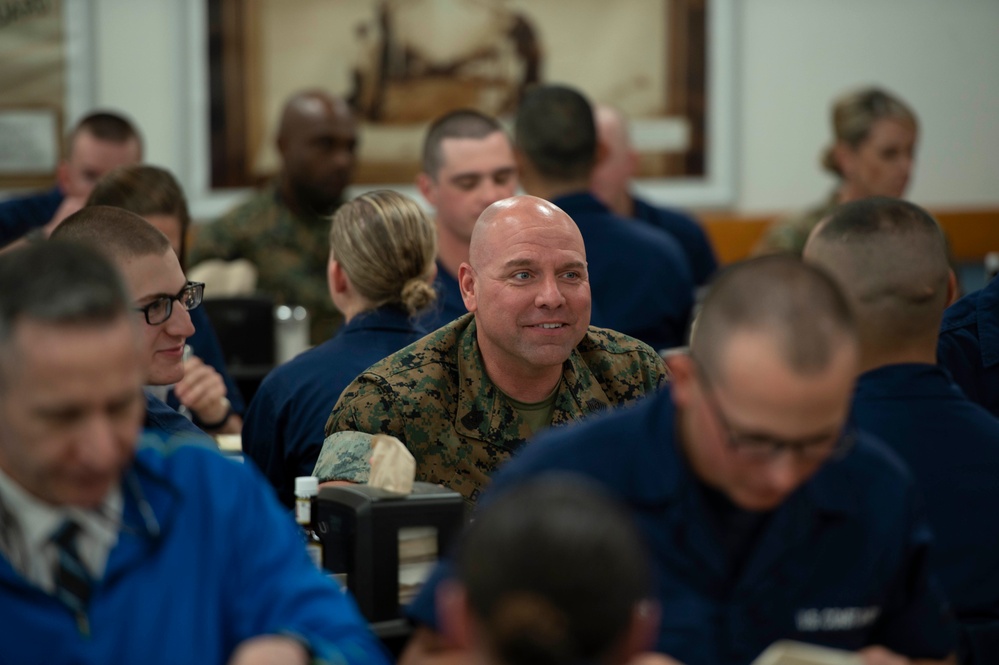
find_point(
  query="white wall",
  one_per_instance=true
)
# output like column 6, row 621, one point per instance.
column 789, row 58
column 796, row 55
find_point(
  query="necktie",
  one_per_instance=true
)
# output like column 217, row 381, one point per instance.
column 72, row 581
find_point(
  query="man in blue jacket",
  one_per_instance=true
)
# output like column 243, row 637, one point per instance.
column 112, row 555
column 890, row 257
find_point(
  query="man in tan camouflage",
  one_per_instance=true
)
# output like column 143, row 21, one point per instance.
column 282, row 230
column 467, row 396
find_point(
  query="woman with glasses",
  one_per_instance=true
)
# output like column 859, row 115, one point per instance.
column 872, row 154
column 380, row 272
column 153, row 194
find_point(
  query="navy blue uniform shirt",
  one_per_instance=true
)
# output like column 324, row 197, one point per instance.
column 640, row 281
column 449, row 305
column 283, row 428
column 842, row 562
column 20, row 215
column 969, row 345
column 686, row 231
column 952, row 447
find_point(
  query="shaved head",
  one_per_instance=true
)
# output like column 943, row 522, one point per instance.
column 890, row 257
column 526, row 284
column 317, row 137
column 499, row 220
column 798, row 307
column 610, row 179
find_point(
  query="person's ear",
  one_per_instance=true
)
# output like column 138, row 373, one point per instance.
column 953, row 292
column 469, row 291
column 844, row 157
column 427, row 187
column 603, row 152
column 682, row 377
column 62, row 177
column 453, row 614
column 336, row 277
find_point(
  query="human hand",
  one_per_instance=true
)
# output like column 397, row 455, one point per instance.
column 269, row 650
column 203, row 391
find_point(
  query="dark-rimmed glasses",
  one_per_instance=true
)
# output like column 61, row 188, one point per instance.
column 161, row 309
column 764, row 448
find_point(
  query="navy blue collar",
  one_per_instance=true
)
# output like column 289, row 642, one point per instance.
column 387, row 317
column 905, row 380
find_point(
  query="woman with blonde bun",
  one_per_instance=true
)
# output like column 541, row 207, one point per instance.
column 380, row 274
column 872, row 155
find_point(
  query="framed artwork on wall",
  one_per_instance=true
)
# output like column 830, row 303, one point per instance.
column 404, row 62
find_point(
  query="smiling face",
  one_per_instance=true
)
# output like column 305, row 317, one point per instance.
column 71, row 409
column 150, row 277
column 881, row 164
column 528, row 287
column 761, row 399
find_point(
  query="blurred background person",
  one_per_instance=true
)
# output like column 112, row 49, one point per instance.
column 282, row 229
column 100, row 142
column 610, row 181
column 381, row 267
column 873, row 151
column 154, row 194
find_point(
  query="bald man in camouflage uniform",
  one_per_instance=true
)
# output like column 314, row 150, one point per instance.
column 467, row 396
column 283, row 229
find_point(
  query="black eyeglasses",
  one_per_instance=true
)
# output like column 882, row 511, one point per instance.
column 161, row 309
column 761, row 448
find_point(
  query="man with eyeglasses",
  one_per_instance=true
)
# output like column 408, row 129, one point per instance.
column 891, row 259
column 116, row 553
column 163, row 297
column 766, row 517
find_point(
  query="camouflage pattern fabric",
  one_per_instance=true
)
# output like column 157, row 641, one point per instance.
column 789, row 234
column 435, row 397
column 289, row 252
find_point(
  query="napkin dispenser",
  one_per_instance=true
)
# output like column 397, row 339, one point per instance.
column 382, row 544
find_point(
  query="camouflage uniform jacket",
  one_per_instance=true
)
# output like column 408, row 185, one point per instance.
column 434, row 395
column 290, row 253
column 789, row 234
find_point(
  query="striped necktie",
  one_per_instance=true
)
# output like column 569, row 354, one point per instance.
column 72, row 581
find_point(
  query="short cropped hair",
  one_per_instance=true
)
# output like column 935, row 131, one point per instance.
column 57, row 283
column 106, row 126
column 387, row 246
column 553, row 571
column 798, row 305
column 144, row 190
column 116, row 233
column 460, row 124
column 891, row 258
column 555, row 130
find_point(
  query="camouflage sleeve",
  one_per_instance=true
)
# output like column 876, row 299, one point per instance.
column 345, row 456
column 364, row 408
column 214, row 240
column 656, row 372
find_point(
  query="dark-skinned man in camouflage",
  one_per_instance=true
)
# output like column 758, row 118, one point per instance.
column 465, row 398
column 282, row 230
